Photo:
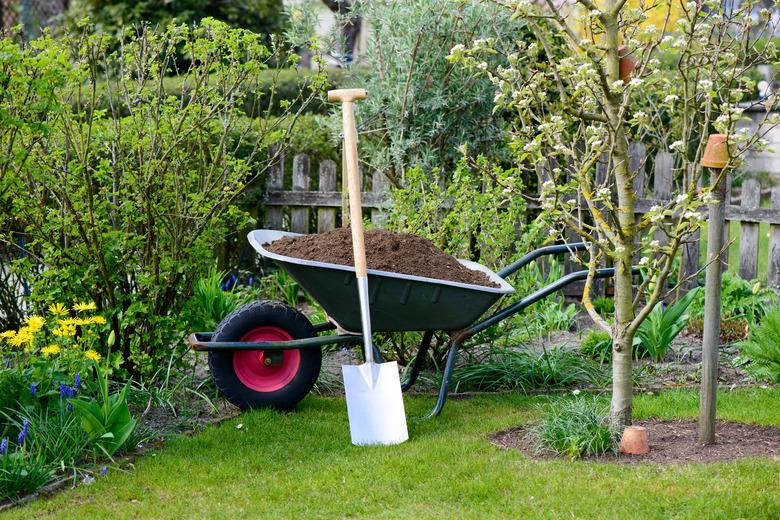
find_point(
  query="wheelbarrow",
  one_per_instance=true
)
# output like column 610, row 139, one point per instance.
column 268, row 354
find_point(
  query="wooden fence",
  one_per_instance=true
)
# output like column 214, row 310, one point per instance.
column 298, row 208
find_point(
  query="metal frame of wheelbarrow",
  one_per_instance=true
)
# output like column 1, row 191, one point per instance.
column 201, row 341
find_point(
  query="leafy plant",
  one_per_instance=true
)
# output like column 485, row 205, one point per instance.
column 576, row 428
column 525, row 369
column 106, row 419
column 21, row 472
column 598, row 345
column 662, row 325
column 213, row 299
column 604, row 305
column 740, row 298
column 761, row 351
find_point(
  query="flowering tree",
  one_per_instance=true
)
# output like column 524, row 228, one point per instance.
column 625, row 80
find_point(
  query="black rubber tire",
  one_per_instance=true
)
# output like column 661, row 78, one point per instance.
column 242, row 320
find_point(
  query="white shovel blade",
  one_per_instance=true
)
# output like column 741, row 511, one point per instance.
column 374, row 404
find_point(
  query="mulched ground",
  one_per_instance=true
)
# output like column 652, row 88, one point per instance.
column 385, row 251
column 675, row 442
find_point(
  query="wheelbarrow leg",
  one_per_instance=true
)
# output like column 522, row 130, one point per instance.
column 419, row 359
column 452, row 355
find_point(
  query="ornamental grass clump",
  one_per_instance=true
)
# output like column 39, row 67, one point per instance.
column 576, row 428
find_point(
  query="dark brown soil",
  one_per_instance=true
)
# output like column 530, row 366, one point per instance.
column 385, row 251
column 675, row 442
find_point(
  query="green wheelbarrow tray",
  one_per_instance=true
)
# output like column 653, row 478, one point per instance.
column 399, row 302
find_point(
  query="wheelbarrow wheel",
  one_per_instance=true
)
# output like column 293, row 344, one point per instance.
column 259, row 379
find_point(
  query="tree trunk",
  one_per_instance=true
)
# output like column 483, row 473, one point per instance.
column 622, row 384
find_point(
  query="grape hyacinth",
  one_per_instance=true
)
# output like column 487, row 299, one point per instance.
column 103, row 471
column 65, row 391
column 68, row 408
column 77, row 381
column 23, row 433
column 33, row 389
column 3, row 446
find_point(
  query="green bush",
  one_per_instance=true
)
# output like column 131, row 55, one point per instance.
column 576, row 428
column 525, row 369
column 663, row 324
column 597, row 344
column 260, row 16
column 125, row 210
column 761, row 351
column 739, row 299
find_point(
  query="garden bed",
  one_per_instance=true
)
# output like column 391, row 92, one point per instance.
column 673, row 442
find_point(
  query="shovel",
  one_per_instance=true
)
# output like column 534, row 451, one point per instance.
column 374, row 402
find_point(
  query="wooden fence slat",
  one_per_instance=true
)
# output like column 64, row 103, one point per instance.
column 690, row 249
column 379, row 185
column 636, row 163
column 299, row 216
column 326, row 217
column 748, row 243
column 275, row 182
column 663, row 178
column 773, row 267
column 725, row 256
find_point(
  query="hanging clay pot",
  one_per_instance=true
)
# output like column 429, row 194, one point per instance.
column 717, row 153
column 627, row 63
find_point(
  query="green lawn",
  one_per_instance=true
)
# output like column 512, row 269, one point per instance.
column 301, row 465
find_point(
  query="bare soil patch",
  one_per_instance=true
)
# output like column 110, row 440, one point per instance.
column 385, row 251
column 674, row 442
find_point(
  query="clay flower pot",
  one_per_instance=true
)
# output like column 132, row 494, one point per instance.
column 627, row 64
column 634, row 441
column 717, row 153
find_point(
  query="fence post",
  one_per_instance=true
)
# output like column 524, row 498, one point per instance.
column 326, row 217
column 275, row 182
column 379, row 187
column 299, row 216
column 748, row 243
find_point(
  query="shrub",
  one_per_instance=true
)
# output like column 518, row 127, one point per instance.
column 740, row 298
column 731, row 330
column 761, row 351
column 576, row 428
column 597, row 344
column 525, row 369
column 126, row 209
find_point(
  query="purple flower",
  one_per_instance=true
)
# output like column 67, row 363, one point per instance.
column 68, row 408
column 103, row 471
column 33, row 389
column 235, row 280
column 23, row 433
column 77, row 381
column 65, row 391
column 251, row 280
column 3, row 446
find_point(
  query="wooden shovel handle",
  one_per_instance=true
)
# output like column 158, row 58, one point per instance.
column 347, row 96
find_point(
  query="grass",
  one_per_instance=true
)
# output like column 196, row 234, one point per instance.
column 301, row 465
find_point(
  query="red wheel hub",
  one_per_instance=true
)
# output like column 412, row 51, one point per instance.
column 252, row 367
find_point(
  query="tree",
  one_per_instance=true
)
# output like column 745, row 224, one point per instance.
column 688, row 80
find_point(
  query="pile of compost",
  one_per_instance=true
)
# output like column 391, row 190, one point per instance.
column 385, row 251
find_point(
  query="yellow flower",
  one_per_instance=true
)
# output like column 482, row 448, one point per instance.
column 68, row 322
column 7, row 334
column 98, row 320
column 82, row 321
column 58, row 309
column 35, row 323
column 22, row 338
column 65, row 330
column 85, row 306
column 92, row 355
column 50, row 350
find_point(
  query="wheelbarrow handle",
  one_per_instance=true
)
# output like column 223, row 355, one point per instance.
column 542, row 251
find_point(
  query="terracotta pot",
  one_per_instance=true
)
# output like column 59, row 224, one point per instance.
column 717, row 153
column 627, row 64
column 634, row 441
